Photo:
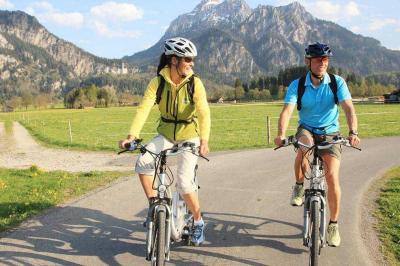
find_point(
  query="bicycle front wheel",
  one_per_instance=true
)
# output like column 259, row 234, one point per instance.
column 159, row 249
column 315, row 236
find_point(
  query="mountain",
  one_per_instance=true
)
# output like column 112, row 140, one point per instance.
column 33, row 58
column 234, row 40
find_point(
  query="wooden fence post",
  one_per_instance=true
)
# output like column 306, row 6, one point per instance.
column 268, row 130
column 70, row 131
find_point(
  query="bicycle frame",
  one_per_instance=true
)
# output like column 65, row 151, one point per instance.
column 316, row 192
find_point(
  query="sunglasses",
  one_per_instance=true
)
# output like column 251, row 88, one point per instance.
column 188, row 59
column 323, row 59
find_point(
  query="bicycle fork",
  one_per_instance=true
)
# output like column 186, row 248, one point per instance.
column 307, row 211
column 162, row 206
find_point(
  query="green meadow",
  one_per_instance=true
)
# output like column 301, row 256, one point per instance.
column 239, row 126
column 26, row 192
column 389, row 216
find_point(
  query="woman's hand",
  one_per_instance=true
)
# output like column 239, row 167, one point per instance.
column 204, row 150
column 128, row 139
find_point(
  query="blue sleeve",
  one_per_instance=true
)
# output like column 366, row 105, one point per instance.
column 343, row 92
column 291, row 94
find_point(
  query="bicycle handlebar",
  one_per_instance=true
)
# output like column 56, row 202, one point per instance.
column 291, row 140
column 175, row 150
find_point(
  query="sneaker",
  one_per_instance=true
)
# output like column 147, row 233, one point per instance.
column 198, row 234
column 297, row 195
column 333, row 235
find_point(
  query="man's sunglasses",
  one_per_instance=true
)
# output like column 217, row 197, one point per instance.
column 321, row 59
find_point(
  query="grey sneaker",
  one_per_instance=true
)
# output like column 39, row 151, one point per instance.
column 297, row 195
column 198, row 234
column 333, row 235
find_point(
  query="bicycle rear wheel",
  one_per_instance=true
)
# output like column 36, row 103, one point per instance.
column 315, row 236
column 159, row 249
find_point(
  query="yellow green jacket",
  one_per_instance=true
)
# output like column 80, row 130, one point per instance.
column 175, row 104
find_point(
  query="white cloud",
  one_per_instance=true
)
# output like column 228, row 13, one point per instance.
column 47, row 13
column 44, row 5
column 103, row 30
column 5, row 4
column 117, row 11
column 377, row 23
column 355, row 29
column 74, row 19
column 329, row 10
column 352, row 9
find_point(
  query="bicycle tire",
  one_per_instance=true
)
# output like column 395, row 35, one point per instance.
column 160, row 239
column 315, row 235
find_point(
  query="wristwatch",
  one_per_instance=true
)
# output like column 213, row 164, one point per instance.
column 353, row 132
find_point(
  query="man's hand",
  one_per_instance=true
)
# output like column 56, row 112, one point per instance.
column 204, row 150
column 278, row 140
column 354, row 140
column 128, row 139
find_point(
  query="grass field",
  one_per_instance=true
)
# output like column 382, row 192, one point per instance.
column 389, row 216
column 233, row 126
column 27, row 192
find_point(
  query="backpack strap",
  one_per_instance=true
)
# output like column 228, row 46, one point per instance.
column 160, row 88
column 333, row 86
column 190, row 88
column 300, row 91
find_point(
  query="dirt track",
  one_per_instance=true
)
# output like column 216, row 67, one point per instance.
column 19, row 150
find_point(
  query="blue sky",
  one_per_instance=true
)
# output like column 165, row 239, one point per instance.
column 114, row 28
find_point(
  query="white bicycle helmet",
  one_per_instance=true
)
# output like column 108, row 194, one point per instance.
column 180, row 47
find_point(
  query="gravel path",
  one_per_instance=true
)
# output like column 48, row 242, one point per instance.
column 26, row 152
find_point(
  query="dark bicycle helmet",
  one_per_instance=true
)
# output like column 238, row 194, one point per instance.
column 317, row 50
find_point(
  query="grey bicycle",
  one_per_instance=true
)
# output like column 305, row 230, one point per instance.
column 315, row 209
column 168, row 218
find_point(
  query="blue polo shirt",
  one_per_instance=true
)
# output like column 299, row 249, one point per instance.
column 319, row 113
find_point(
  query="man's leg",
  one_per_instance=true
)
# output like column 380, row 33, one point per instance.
column 332, row 165
column 300, row 167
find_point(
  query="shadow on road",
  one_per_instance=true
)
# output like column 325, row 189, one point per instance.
column 74, row 232
column 233, row 230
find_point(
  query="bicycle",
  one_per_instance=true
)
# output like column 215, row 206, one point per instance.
column 168, row 218
column 314, row 227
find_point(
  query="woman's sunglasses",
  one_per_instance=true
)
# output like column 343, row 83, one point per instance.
column 188, row 59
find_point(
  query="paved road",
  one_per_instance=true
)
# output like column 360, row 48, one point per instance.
column 249, row 221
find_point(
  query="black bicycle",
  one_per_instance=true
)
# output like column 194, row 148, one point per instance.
column 168, row 218
column 314, row 229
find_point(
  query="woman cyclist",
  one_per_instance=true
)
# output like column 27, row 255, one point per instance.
column 185, row 117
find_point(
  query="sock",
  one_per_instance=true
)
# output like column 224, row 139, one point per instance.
column 199, row 222
column 299, row 184
column 332, row 222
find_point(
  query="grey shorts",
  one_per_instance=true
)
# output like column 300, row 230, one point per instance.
column 186, row 163
column 334, row 151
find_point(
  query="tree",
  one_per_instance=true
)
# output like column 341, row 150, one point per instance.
column 239, row 93
column 27, row 98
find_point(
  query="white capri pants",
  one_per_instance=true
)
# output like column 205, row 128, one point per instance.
column 186, row 163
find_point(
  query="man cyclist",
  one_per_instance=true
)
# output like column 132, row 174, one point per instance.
column 318, row 118
column 185, row 117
